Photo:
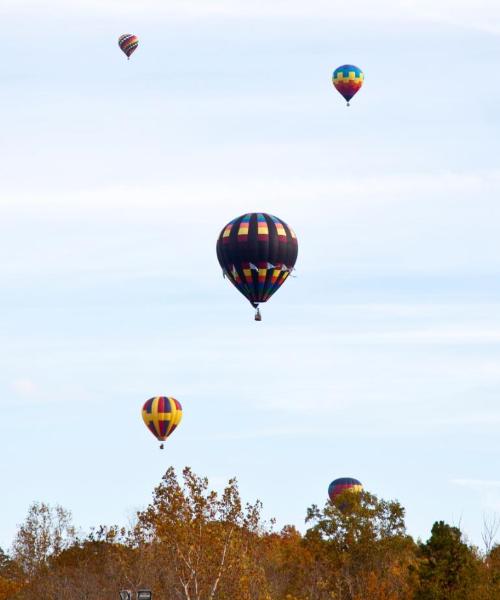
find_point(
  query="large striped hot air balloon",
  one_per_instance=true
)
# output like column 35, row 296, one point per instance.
column 128, row 43
column 257, row 252
column 339, row 486
column 161, row 415
column 348, row 80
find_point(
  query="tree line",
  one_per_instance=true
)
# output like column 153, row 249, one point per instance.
column 192, row 543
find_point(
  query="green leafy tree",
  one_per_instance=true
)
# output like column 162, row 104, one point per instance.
column 449, row 568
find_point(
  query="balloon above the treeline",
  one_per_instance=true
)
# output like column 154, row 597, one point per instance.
column 128, row 43
column 161, row 415
column 257, row 253
column 344, row 484
column 348, row 80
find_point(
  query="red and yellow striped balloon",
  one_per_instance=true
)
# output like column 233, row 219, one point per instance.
column 161, row 415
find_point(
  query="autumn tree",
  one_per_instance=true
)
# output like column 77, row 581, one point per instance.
column 204, row 545
column 193, row 543
column 492, row 564
column 46, row 532
column 491, row 526
column 87, row 569
column 292, row 568
column 8, row 567
column 361, row 542
column 10, row 576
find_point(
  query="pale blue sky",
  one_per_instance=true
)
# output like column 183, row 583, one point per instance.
column 380, row 360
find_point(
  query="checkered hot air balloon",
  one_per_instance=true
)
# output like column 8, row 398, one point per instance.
column 161, row 415
column 257, row 252
column 348, row 80
column 128, row 43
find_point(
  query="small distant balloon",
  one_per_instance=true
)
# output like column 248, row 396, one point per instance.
column 348, row 80
column 161, row 415
column 339, row 486
column 128, row 43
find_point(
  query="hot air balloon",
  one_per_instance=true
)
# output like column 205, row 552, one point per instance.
column 161, row 415
column 339, row 486
column 128, row 43
column 348, row 80
column 257, row 252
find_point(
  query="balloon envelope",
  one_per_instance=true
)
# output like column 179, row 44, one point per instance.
column 257, row 252
column 128, row 43
column 339, row 486
column 348, row 80
column 161, row 415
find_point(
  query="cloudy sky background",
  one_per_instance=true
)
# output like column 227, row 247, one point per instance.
column 380, row 360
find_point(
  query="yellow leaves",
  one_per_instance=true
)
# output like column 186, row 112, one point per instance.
column 193, row 543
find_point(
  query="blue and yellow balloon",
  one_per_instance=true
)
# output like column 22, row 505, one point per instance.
column 348, row 80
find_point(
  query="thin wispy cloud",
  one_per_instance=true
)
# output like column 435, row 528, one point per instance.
column 487, row 490
column 461, row 13
column 477, row 484
column 436, row 336
column 24, row 387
